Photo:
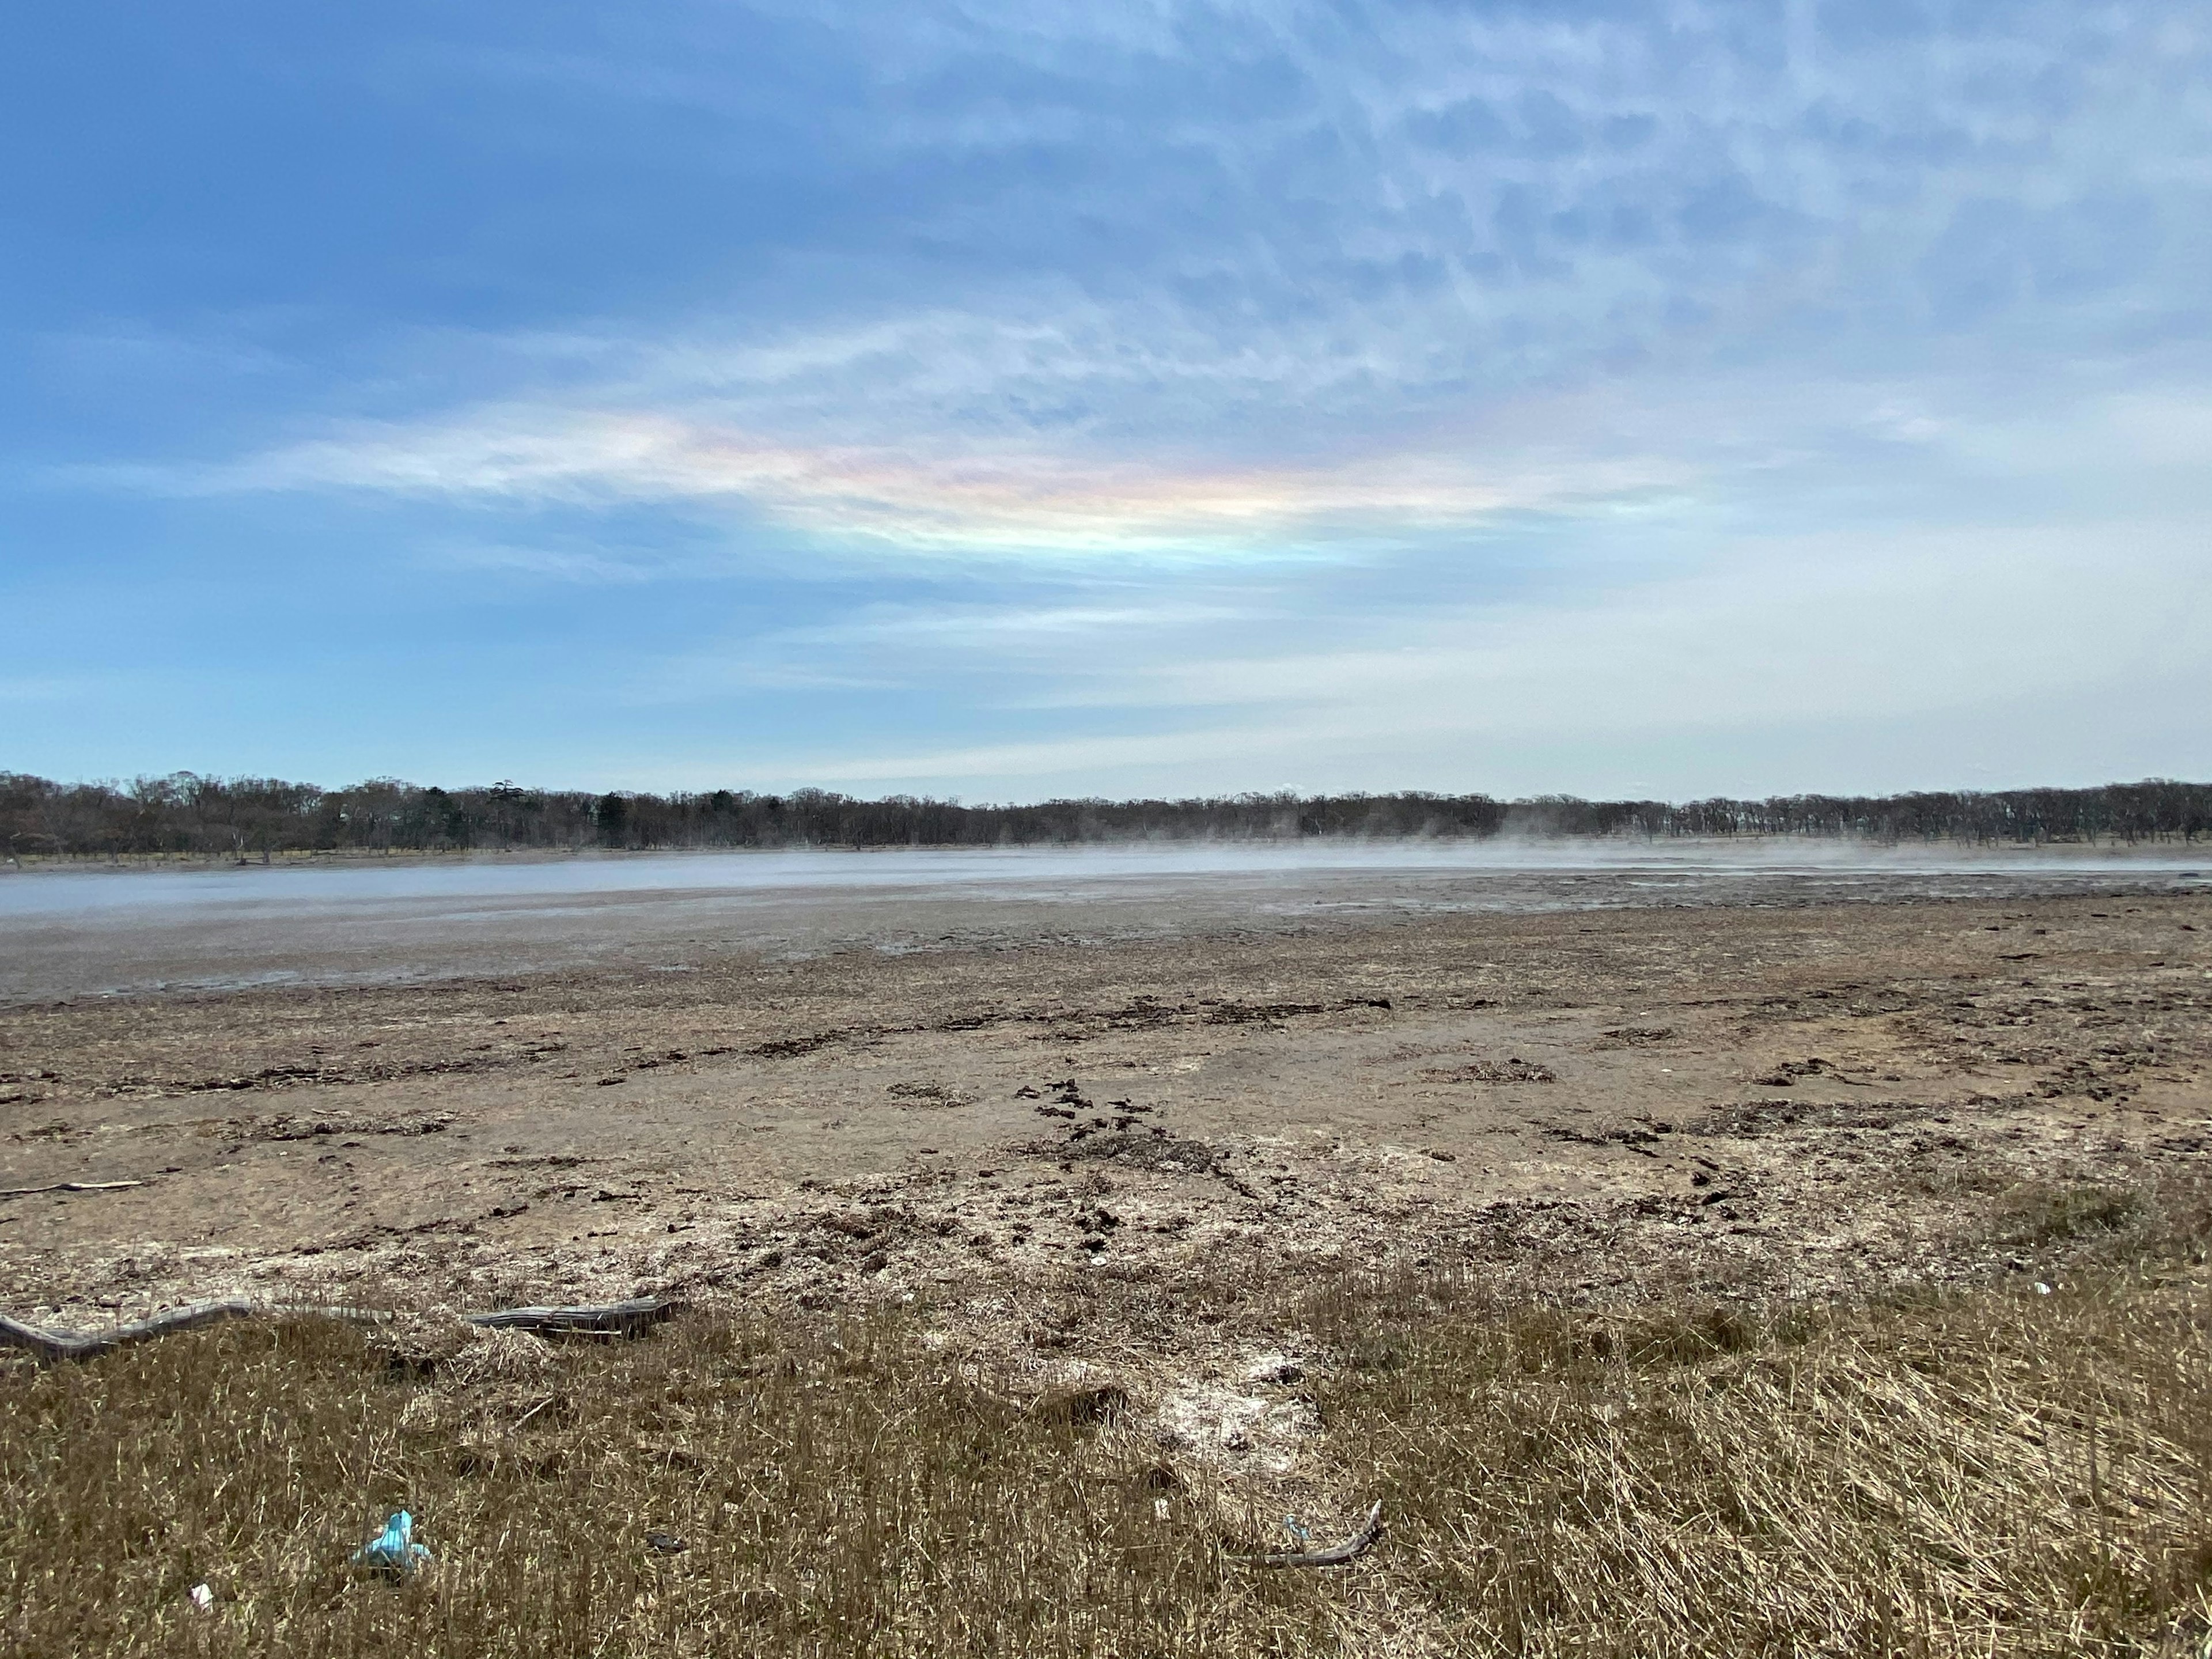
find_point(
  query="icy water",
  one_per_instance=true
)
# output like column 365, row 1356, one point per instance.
column 75, row 933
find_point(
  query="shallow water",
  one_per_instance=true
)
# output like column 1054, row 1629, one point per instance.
column 73, row 933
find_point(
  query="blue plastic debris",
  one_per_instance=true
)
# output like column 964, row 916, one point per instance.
column 394, row 1549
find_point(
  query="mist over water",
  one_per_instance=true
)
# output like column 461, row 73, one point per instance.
column 70, row 933
column 987, row 872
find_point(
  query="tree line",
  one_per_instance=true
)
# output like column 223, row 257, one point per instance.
column 187, row 814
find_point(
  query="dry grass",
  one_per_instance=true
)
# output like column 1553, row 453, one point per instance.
column 2035, row 1215
column 1998, row 1472
column 2013, row 1473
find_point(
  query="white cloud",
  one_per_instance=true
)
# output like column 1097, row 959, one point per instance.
column 1927, row 635
column 962, row 500
column 1229, row 390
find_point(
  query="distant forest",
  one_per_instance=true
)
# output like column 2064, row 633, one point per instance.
column 240, row 817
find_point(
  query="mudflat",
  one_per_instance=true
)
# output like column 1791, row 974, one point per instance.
column 1597, row 1084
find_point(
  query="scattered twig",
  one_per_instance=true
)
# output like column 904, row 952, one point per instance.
column 1336, row 1555
column 533, row 1412
column 70, row 1187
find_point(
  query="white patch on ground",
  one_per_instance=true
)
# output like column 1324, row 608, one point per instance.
column 1214, row 1421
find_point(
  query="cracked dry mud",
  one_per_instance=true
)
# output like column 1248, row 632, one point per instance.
column 1595, row 1104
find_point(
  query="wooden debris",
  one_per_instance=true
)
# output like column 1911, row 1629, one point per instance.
column 611, row 1319
column 70, row 1187
column 56, row 1344
column 603, row 1319
column 1336, row 1555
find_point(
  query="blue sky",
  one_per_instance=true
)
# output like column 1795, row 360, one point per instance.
column 1016, row 400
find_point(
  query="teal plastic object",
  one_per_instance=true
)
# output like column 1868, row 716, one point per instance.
column 394, row 1549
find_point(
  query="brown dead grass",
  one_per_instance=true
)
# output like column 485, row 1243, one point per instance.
column 2004, row 1470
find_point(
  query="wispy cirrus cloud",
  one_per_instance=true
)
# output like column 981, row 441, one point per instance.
column 1217, row 280
column 982, row 501
column 1892, row 653
column 931, row 388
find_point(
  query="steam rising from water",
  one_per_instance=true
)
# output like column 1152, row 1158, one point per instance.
column 1024, row 873
column 73, row 933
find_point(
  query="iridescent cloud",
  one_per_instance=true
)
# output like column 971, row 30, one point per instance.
column 977, row 503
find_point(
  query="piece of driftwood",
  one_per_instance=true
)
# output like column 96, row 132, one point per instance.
column 62, row 1344
column 605, row 1319
column 70, row 1187
column 1336, row 1555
